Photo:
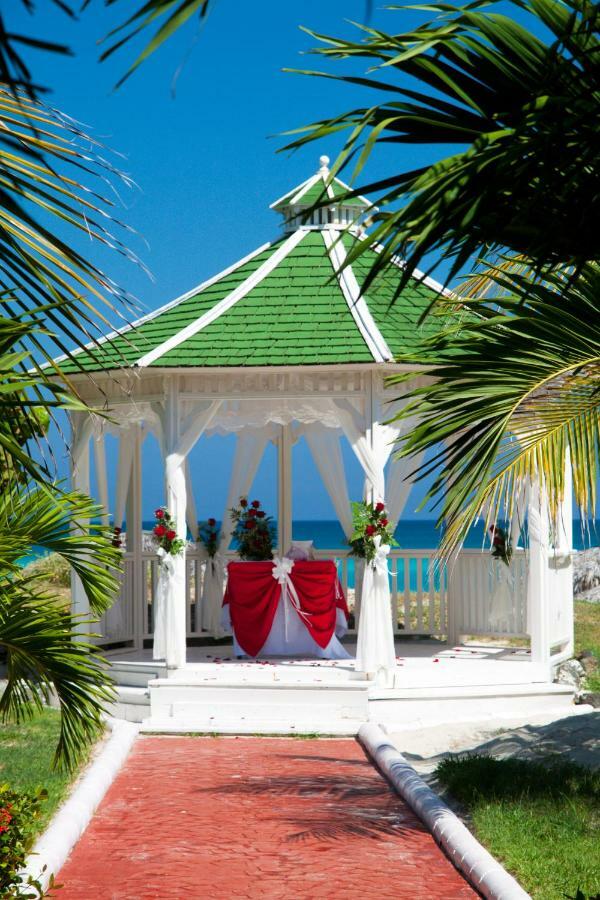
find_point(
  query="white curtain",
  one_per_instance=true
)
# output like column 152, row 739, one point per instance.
column 179, row 438
column 124, row 463
column 397, row 486
column 191, row 513
column 324, row 444
column 375, row 651
column 167, row 642
column 250, row 447
column 371, row 459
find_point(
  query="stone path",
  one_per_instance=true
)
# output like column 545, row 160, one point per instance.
column 260, row 818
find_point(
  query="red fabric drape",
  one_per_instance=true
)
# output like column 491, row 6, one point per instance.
column 253, row 595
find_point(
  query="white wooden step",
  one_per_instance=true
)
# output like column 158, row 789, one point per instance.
column 257, row 707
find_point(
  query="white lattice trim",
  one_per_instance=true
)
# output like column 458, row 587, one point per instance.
column 356, row 303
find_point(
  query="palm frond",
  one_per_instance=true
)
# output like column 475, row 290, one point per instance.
column 67, row 523
column 168, row 15
column 515, row 387
column 521, row 109
column 45, row 655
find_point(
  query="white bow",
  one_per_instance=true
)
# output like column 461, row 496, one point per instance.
column 282, row 569
column 380, row 562
column 281, row 572
column 165, row 560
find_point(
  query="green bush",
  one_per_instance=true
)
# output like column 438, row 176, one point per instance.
column 19, row 811
column 52, row 568
column 476, row 776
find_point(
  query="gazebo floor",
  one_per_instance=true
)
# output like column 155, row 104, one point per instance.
column 434, row 684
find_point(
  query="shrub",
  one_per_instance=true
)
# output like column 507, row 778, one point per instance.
column 19, row 811
column 52, row 569
column 478, row 776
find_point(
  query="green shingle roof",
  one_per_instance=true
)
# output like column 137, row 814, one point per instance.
column 284, row 305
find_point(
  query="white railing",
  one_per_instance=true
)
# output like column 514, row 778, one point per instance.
column 426, row 598
column 487, row 597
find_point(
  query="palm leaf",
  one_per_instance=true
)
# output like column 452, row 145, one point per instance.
column 521, row 110
column 44, row 655
column 517, row 385
column 65, row 523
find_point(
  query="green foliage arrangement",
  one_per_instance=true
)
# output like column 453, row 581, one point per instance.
column 254, row 531
column 19, row 812
column 370, row 520
column 208, row 534
column 501, row 544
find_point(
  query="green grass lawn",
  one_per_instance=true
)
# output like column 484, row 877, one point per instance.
column 587, row 636
column 542, row 821
column 26, row 753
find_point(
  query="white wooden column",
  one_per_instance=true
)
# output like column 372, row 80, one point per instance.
column 176, row 504
column 101, row 476
column 537, row 582
column 565, row 550
column 284, row 489
column 80, row 481
column 370, row 403
column 136, row 602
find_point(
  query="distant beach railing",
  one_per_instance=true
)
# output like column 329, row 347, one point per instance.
column 427, row 597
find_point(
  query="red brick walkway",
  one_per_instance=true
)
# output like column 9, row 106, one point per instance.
column 264, row 818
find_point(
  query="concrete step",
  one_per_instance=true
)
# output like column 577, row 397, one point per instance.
column 135, row 674
column 132, row 704
column 256, row 707
column 422, row 707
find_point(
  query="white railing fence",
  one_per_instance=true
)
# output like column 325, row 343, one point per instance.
column 476, row 595
column 487, row 597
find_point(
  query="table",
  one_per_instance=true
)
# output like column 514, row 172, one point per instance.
column 286, row 608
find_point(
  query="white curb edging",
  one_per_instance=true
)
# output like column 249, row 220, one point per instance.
column 480, row 868
column 53, row 847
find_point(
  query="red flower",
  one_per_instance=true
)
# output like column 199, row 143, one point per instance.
column 250, row 523
column 159, row 513
column 261, row 514
column 379, row 507
column 117, row 529
column 370, row 530
column 171, row 535
column 159, row 530
column 212, row 522
column 243, row 502
column 252, row 512
column 256, row 504
column 384, row 522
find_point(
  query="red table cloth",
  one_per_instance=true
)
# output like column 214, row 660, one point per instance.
column 253, row 595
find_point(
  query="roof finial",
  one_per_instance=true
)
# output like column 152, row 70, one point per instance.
column 324, row 163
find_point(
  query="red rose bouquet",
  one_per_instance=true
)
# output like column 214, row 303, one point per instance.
column 370, row 520
column 501, row 544
column 164, row 533
column 208, row 534
column 254, row 531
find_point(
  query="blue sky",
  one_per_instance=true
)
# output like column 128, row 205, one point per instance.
column 206, row 164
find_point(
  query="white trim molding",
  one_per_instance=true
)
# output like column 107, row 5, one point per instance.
column 224, row 305
column 356, row 302
column 166, row 306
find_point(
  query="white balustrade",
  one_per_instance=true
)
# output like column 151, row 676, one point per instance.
column 426, row 598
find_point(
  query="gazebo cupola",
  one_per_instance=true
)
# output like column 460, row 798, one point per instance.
column 321, row 202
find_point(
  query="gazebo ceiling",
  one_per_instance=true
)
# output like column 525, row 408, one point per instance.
column 286, row 304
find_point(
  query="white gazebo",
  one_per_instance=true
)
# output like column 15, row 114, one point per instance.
column 279, row 346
